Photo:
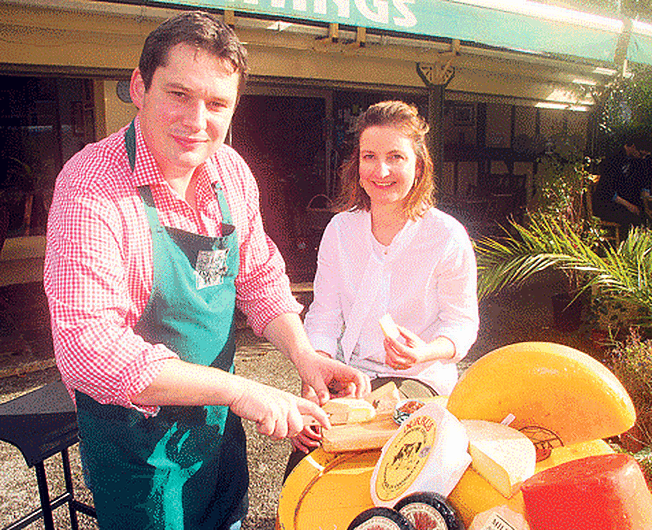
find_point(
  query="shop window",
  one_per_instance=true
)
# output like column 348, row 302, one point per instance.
column 43, row 122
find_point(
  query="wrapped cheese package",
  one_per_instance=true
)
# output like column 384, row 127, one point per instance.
column 427, row 453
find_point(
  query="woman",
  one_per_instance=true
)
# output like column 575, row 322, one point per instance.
column 389, row 250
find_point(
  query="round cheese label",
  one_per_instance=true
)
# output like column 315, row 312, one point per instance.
column 405, row 457
column 422, row 515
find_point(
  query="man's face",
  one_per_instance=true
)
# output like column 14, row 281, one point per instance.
column 186, row 112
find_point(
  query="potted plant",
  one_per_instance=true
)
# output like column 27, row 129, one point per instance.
column 631, row 361
column 623, row 273
column 561, row 182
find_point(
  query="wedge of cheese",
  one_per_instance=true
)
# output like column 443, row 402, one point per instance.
column 384, row 399
column 559, row 394
column 388, row 326
column 349, row 410
column 500, row 454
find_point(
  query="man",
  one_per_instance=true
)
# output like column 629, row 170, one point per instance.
column 154, row 237
column 623, row 183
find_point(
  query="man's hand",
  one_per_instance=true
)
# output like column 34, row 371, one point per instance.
column 320, row 372
column 308, row 439
column 328, row 377
column 276, row 413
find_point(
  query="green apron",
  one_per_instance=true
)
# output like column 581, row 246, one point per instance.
column 185, row 468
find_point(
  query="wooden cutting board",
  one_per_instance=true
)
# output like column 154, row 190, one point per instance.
column 359, row 436
column 365, row 436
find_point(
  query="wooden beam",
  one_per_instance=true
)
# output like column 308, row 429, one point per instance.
column 229, row 17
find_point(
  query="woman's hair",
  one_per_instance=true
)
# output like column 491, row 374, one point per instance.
column 195, row 28
column 405, row 118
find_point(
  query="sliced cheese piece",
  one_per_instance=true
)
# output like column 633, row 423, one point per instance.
column 427, row 453
column 500, row 454
column 349, row 410
column 384, row 399
column 557, row 392
column 606, row 492
column 388, row 326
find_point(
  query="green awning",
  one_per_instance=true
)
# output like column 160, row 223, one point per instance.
column 514, row 24
column 640, row 45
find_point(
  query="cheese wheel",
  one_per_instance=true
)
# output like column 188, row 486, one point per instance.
column 551, row 389
column 429, row 511
column 501, row 517
column 502, row 455
column 380, row 519
column 606, row 492
column 427, row 453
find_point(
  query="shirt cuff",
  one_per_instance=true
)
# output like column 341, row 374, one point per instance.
column 140, row 374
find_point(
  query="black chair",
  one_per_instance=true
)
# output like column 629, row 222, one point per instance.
column 41, row 424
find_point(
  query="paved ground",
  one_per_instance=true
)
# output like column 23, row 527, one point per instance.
column 26, row 363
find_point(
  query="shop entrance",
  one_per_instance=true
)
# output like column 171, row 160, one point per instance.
column 283, row 139
column 43, row 122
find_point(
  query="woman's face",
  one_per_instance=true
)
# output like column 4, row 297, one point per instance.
column 388, row 165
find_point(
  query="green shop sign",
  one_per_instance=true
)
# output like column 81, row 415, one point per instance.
column 524, row 26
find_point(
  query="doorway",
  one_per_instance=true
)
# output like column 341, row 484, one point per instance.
column 283, row 139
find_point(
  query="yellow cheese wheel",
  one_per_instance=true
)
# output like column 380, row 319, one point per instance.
column 329, row 490
column 558, row 395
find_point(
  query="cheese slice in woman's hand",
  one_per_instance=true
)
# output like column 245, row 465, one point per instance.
column 388, row 326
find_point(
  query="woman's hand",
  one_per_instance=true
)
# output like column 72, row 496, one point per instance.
column 412, row 350
column 308, row 439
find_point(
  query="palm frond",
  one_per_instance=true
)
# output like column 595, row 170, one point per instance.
column 547, row 243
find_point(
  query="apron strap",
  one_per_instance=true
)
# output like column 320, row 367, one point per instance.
column 130, row 144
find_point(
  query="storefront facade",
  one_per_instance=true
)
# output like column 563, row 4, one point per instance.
column 66, row 65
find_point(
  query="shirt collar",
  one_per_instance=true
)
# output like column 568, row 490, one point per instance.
column 147, row 171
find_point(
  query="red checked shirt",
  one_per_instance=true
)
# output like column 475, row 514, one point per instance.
column 99, row 264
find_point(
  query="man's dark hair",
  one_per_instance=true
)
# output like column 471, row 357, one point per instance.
column 195, row 28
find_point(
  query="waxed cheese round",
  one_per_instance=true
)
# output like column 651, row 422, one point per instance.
column 427, row 453
column 380, row 519
column 427, row 510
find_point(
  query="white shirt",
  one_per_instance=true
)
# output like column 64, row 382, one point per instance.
column 425, row 279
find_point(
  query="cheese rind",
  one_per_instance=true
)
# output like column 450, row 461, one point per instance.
column 500, row 454
column 349, row 410
column 545, row 385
